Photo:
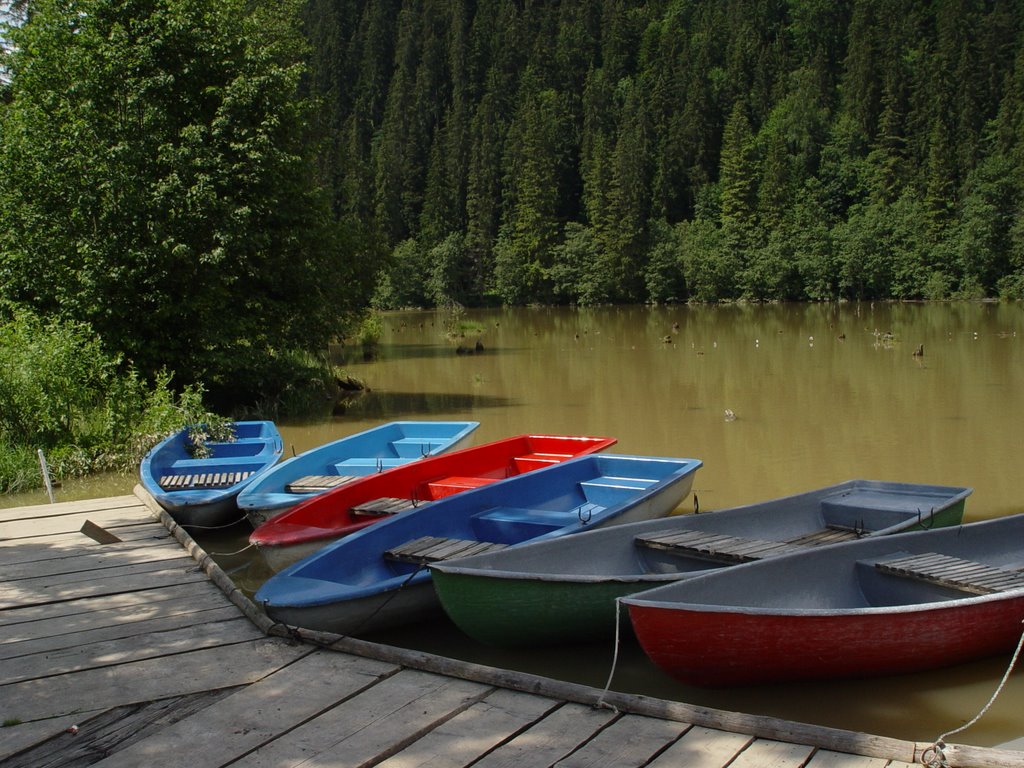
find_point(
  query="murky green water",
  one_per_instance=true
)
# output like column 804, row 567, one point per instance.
column 821, row 394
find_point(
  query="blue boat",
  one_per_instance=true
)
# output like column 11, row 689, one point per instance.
column 378, row 577
column 333, row 464
column 202, row 491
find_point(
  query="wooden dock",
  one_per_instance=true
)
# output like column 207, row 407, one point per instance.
column 140, row 651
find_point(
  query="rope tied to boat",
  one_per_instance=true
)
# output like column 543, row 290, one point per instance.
column 601, row 703
column 232, row 524
column 934, row 756
column 250, row 545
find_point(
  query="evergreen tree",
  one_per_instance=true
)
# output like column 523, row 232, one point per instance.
column 739, row 174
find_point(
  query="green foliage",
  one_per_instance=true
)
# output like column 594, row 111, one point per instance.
column 448, row 266
column 711, row 267
column 403, row 279
column 157, row 181
column 576, row 272
column 664, row 276
column 61, row 393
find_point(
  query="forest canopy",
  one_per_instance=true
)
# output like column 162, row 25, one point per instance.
column 674, row 150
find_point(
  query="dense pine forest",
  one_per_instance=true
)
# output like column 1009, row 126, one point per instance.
column 612, row 151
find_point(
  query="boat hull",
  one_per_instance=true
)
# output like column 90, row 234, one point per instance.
column 368, row 452
column 411, row 603
column 515, row 613
column 731, row 648
column 561, row 592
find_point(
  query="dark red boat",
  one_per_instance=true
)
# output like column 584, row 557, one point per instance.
column 881, row 606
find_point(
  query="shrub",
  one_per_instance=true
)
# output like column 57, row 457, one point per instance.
column 60, row 392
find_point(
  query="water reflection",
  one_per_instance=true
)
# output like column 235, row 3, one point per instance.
column 821, row 394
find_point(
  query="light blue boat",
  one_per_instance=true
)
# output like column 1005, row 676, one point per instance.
column 333, row 464
column 377, row 578
column 203, row 491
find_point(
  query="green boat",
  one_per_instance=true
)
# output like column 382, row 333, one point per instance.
column 564, row 590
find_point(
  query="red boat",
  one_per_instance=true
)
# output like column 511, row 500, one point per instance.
column 879, row 606
column 311, row 524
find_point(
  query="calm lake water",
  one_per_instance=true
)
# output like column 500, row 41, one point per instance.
column 820, row 393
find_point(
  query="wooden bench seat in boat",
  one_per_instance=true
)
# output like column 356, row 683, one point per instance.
column 432, row 549
column 202, row 480
column 317, row 483
column 387, row 505
column 953, row 573
column 832, row 534
column 715, row 546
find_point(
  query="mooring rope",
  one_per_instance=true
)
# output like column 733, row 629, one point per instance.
column 194, row 527
column 615, row 660
column 250, row 545
column 934, row 756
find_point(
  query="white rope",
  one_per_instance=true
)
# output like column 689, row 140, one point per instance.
column 934, row 756
column 193, row 527
column 615, row 661
column 231, row 554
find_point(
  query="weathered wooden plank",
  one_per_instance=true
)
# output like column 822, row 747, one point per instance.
column 766, row 753
column 91, row 584
column 702, row 747
column 17, row 551
column 91, row 557
column 23, row 736
column 629, row 742
column 121, row 650
column 202, row 480
column 72, row 523
column 715, row 547
column 35, row 511
column 69, row 612
column 387, row 505
column 146, row 680
column 122, row 626
column 431, row 549
column 824, row 758
column 738, row 722
column 317, row 483
column 374, row 725
column 551, row 738
column 113, row 730
column 953, row 573
column 473, row 732
column 255, row 716
column 825, row 536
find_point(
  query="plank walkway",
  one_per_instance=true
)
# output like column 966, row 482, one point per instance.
column 141, row 652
